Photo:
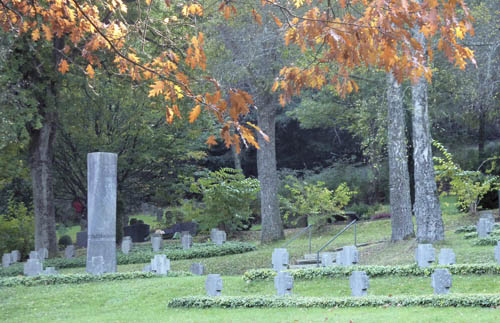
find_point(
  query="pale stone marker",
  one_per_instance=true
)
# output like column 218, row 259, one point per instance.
column 348, row 256
column 425, row 255
column 156, row 242
column 283, row 282
column 34, row 255
column 280, row 259
column 327, row 259
column 213, row 285
column 197, row 268
column 32, row 267
column 126, row 244
column 484, row 227
column 497, row 252
column 43, row 254
column 49, row 271
column 69, row 252
column 220, row 237
column 101, row 197
column 359, row 283
column 6, row 258
column 212, row 234
column 441, row 281
column 186, row 241
column 15, row 256
column 96, row 266
column 447, row 257
column 160, row 265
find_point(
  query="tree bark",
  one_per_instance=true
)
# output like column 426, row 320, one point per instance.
column 272, row 225
column 236, row 158
column 427, row 209
column 399, row 180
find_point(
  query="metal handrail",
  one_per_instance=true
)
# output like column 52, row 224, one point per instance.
column 298, row 234
column 335, row 237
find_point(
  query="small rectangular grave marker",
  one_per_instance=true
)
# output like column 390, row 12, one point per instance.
column 15, row 256
column 441, row 281
column 34, row 255
column 212, row 234
column 6, row 258
column 283, row 282
column 160, row 265
column 126, row 244
column 82, row 239
column 327, row 259
column 348, row 256
column 220, row 237
column 497, row 252
column 156, row 242
column 359, row 283
column 213, row 285
column 69, row 252
column 280, row 259
column 197, row 268
column 96, row 265
column 425, row 255
column 186, row 241
column 49, row 271
column 484, row 227
column 32, row 267
column 43, row 254
column 447, row 257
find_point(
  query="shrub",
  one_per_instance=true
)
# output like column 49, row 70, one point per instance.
column 65, row 241
column 17, row 228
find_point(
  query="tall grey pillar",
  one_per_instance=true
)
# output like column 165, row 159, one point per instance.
column 101, row 199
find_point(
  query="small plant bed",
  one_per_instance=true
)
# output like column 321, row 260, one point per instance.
column 373, row 271
column 82, row 278
column 143, row 255
column 451, row 300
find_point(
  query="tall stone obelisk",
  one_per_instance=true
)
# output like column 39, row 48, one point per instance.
column 101, row 198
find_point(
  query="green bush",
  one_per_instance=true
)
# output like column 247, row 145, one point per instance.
column 65, row 241
column 81, row 278
column 17, row 229
column 373, row 271
column 450, row 300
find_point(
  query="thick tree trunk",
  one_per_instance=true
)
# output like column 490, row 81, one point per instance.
column 427, row 209
column 41, row 153
column 399, row 180
column 236, row 158
column 272, row 225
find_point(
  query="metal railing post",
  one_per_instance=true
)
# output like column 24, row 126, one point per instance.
column 355, row 234
column 310, row 234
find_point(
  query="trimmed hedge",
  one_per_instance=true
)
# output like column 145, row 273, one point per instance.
column 472, row 228
column 450, row 300
column 373, row 271
column 143, row 255
column 82, row 278
column 489, row 241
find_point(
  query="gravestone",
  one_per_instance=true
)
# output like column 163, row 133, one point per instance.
column 280, row 259
column 348, row 256
column 425, row 255
column 447, row 257
column 43, row 254
column 6, row 260
column 96, row 266
column 158, row 212
column 283, row 282
column 220, row 237
column 81, row 239
column 49, row 271
column 32, row 267
column 359, row 283
column 156, row 243
column 197, row 268
column 138, row 232
column 213, row 285
column 213, row 232
column 441, row 281
column 186, row 241
column 484, row 227
column 327, row 259
column 34, row 255
column 497, row 252
column 126, row 244
column 15, row 256
column 101, row 197
column 69, row 252
column 160, row 265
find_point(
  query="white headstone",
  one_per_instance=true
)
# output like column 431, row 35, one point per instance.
column 6, row 258
column 220, row 237
column 213, row 285
column 126, row 244
column 186, row 241
column 447, row 257
column 425, row 255
column 69, row 252
column 359, row 283
column 160, row 264
column 43, row 254
column 441, row 281
column 15, row 256
column 156, row 242
column 348, row 256
column 197, row 268
column 327, row 259
column 484, row 227
column 283, row 282
column 497, row 252
column 32, row 267
column 96, row 266
column 34, row 255
column 280, row 259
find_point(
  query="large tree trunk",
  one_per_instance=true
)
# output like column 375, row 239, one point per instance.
column 427, row 209
column 41, row 153
column 399, row 180
column 272, row 226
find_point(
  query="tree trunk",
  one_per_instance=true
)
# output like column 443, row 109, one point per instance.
column 399, row 181
column 427, row 209
column 236, row 158
column 272, row 226
column 481, row 140
column 41, row 152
